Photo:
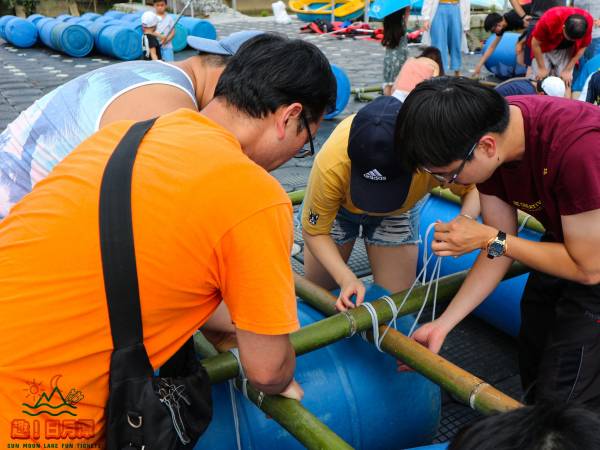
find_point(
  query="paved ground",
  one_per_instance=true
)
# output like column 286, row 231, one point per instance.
column 26, row 75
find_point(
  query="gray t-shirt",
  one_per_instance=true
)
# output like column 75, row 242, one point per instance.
column 593, row 7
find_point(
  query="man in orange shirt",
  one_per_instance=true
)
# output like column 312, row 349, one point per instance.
column 209, row 223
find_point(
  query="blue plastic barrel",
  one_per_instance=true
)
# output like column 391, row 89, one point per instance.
column 63, row 17
column 120, row 42
column 34, row 18
column 90, row 16
column 21, row 33
column 343, row 91
column 131, row 17
column 3, row 21
column 442, row 446
column 199, row 27
column 72, row 39
column 114, row 14
column 85, row 23
column 103, row 19
column 502, row 308
column 503, row 62
column 351, row 387
column 45, row 27
column 180, row 39
column 73, row 20
column 96, row 28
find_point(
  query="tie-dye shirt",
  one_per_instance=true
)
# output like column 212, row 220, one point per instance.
column 54, row 125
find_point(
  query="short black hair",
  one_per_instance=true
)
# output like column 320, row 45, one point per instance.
column 576, row 26
column 443, row 117
column 271, row 70
column 434, row 54
column 546, row 426
column 491, row 20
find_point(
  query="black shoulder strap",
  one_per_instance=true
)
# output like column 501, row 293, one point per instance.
column 116, row 240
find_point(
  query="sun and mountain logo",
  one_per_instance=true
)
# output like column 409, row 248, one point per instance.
column 53, row 404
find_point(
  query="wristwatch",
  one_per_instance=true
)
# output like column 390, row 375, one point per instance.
column 497, row 245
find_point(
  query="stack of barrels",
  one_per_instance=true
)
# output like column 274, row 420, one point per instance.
column 114, row 34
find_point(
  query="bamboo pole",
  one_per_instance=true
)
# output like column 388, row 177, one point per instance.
column 290, row 414
column 465, row 386
column 295, row 418
column 332, row 329
column 296, row 196
column 362, row 90
column 530, row 222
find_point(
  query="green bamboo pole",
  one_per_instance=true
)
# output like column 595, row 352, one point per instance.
column 332, row 329
column 463, row 385
column 296, row 197
column 532, row 222
column 362, row 90
column 290, row 414
column 295, row 418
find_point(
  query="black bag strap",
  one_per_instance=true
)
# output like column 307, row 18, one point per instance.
column 116, row 240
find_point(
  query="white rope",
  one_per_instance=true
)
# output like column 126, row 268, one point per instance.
column 375, row 323
column 236, row 421
column 524, row 223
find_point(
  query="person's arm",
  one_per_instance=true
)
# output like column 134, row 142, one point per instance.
column 153, row 54
column 324, row 249
column 490, row 50
column 426, row 10
column 482, row 279
column 471, row 205
column 269, row 363
column 539, row 57
column 567, row 73
column 521, row 12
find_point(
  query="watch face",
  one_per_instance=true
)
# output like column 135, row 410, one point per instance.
column 496, row 249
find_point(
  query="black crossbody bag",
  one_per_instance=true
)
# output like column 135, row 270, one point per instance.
column 146, row 412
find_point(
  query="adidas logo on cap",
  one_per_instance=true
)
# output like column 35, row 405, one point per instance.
column 374, row 175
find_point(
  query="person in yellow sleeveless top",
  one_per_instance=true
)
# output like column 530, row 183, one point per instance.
column 357, row 182
column 206, row 216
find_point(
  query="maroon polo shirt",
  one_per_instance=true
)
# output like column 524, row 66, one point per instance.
column 559, row 174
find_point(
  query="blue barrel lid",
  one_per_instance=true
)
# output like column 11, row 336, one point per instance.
column 72, row 39
column 3, row 21
column 120, row 42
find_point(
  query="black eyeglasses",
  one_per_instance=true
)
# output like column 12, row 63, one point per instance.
column 452, row 179
column 304, row 152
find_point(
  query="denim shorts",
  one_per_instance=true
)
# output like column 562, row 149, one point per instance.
column 384, row 231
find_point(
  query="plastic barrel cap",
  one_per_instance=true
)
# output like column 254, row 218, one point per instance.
column 21, row 33
column 72, row 39
column 120, row 42
column 343, row 91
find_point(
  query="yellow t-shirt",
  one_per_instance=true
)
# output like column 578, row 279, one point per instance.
column 208, row 224
column 329, row 185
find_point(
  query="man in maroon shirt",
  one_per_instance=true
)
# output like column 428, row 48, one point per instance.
column 558, row 41
column 542, row 155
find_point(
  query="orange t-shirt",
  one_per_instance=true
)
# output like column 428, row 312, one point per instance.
column 208, row 224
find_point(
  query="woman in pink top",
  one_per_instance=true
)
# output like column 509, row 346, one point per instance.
column 425, row 66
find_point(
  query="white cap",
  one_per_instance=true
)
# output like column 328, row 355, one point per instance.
column 149, row 19
column 553, row 86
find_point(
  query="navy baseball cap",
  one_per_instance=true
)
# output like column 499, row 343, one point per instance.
column 227, row 46
column 378, row 183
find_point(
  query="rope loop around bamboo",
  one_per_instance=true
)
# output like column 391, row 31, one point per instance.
column 352, row 321
column 473, row 395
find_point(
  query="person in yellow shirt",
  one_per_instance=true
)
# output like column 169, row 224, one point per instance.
column 357, row 188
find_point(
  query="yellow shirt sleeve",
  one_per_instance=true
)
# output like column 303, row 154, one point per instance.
column 328, row 182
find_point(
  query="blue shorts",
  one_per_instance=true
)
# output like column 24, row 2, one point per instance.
column 167, row 54
column 384, row 231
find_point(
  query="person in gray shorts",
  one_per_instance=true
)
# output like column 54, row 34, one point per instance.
column 357, row 189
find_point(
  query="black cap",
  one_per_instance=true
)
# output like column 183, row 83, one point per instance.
column 378, row 184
